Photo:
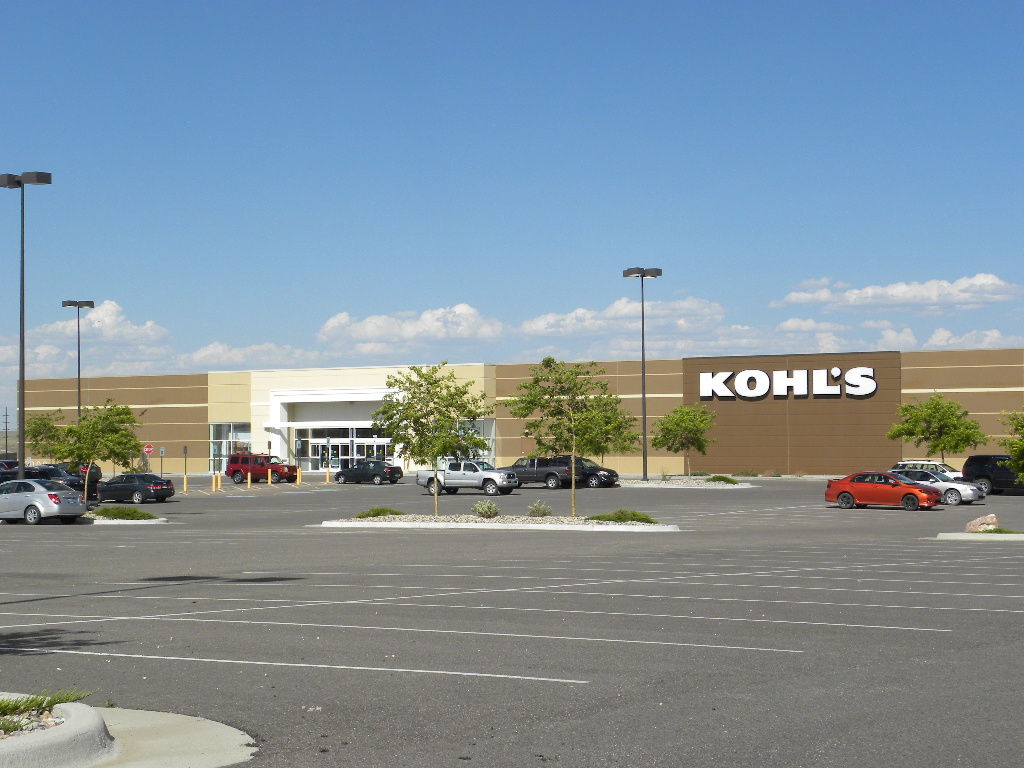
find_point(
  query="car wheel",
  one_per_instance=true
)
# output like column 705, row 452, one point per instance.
column 594, row 481
column 985, row 484
column 451, row 491
column 340, row 478
column 68, row 520
column 845, row 500
column 136, row 497
column 377, row 480
column 32, row 515
column 952, row 497
column 238, row 477
column 275, row 477
column 491, row 488
column 553, row 482
column 431, row 487
column 911, row 502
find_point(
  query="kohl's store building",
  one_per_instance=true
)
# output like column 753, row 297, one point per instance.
column 794, row 414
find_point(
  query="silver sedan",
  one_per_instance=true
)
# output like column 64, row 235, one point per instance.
column 953, row 491
column 32, row 500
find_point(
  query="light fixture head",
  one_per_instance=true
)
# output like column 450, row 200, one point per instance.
column 36, row 177
column 633, row 272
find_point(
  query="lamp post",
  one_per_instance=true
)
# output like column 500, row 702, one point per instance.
column 79, row 306
column 642, row 273
column 13, row 181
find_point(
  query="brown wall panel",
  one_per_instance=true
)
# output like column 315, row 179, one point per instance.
column 959, row 357
column 963, row 377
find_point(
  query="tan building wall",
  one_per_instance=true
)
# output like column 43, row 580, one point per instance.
column 173, row 411
column 809, row 435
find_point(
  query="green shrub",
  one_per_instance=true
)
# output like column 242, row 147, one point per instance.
column 771, row 473
column 379, row 512
column 745, row 473
column 486, row 509
column 699, row 473
column 539, row 509
column 624, row 516
column 723, row 479
column 123, row 513
column 1000, row 530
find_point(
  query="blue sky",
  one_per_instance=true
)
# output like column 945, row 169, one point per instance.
column 280, row 184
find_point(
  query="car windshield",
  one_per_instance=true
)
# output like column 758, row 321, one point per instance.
column 589, row 463
column 275, row 460
column 943, row 478
column 484, row 465
column 902, row 478
column 946, row 468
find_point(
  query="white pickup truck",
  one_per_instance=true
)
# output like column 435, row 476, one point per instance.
column 469, row 474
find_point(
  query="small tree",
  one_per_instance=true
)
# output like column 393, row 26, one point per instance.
column 944, row 425
column 684, row 429
column 574, row 413
column 431, row 416
column 1014, row 444
column 103, row 433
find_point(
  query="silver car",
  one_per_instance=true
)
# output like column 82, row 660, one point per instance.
column 32, row 500
column 953, row 491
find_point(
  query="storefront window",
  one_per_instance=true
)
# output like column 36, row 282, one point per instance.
column 226, row 439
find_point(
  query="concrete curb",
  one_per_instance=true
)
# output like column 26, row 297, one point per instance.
column 81, row 740
column 588, row 527
column 989, row 537
column 107, row 521
column 688, row 487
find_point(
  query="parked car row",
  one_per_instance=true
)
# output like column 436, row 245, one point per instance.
column 554, row 472
column 922, row 483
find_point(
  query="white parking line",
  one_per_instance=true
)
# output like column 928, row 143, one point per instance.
column 103, row 654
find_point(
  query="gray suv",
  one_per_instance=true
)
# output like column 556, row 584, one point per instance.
column 988, row 473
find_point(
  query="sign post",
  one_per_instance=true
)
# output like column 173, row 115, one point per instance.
column 184, row 482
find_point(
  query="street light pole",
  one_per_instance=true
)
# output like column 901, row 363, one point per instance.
column 79, row 306
column 13, row 181
column 642, row 273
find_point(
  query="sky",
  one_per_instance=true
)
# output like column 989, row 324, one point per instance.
column 247, row 185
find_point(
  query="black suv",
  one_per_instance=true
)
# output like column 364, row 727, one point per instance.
column 589, row 472
column 987, row 472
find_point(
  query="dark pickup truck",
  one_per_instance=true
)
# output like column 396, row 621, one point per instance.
column 541, row 471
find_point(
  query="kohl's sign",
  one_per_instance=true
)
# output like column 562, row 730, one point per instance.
column 823, row 382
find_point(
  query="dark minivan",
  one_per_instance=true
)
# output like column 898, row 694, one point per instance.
column 988, row 473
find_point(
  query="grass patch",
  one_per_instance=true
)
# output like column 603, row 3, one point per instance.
column 379, row 512
column 1000, row 530
column 698, row 473
column 123, row 513
column 745, row 473
column 486, row 509
column 723, row 479
column 624, row 516
column 20, row 705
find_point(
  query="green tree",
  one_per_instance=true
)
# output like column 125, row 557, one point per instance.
column 1014, row 444
column 430, row 415
column 571, row 411
column 103, row 433
column 943, row 425
column 685, row 429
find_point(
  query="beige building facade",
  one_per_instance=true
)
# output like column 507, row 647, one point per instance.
column 793, row 414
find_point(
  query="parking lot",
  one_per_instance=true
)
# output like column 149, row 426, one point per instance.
column 772, row 630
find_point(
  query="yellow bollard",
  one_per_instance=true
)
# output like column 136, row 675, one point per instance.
column 298, row 476
column 248, row 479
column 184, row 484
column 327, row 475
column 213, row 483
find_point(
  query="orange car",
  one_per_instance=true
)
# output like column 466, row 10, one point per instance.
column 882, row 489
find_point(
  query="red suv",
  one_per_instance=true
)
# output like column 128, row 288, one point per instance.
column 261, row 467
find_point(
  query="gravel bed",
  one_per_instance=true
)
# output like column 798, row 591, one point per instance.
column 37, row 720
column 506, row 519
column 681, row 481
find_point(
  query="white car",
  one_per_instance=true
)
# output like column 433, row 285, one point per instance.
column 929, row 465
column 32, row 500
column 953, row 491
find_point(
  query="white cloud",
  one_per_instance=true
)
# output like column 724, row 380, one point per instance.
column 624, row 314
column 798, row 325
column 220, row 356
column 107, row 322
column 943, row 339
column 930, row 296
column 892, row 339
column 876, row 324
column 458, row 322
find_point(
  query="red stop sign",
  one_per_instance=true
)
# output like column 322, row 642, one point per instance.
column 148, row 449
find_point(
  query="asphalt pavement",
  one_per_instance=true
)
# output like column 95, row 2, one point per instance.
column 771, row 630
